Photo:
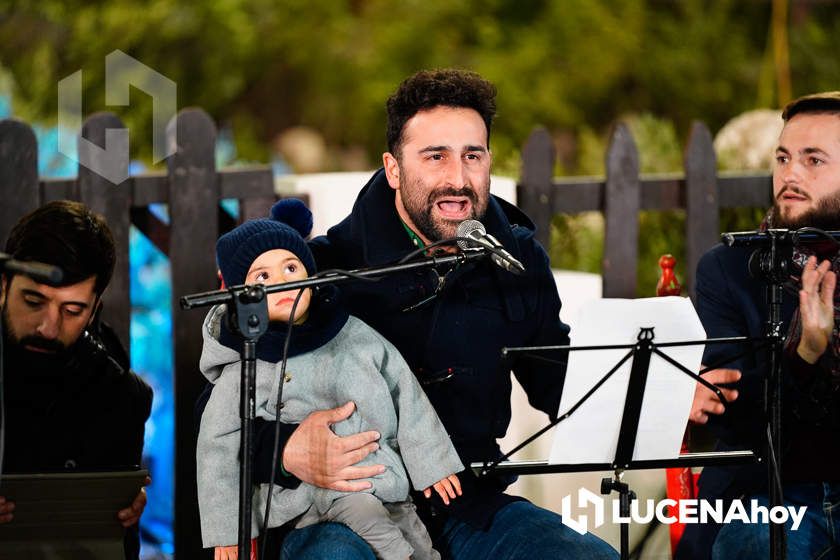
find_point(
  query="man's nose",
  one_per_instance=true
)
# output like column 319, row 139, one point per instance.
column 456, row 173
column 50, row 324
column 791, row 174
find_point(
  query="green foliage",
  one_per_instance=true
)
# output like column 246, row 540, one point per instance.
column 575, row 67
column 262, row 65
column 577, row 242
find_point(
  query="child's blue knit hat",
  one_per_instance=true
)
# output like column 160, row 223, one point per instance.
column 289, row 224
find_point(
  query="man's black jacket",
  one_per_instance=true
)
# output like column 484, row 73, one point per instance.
column 83, row 410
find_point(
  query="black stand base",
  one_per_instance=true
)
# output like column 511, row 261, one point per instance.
column 625, row 496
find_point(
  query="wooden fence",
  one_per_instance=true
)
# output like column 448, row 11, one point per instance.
column 701, row 191
column 192, row 187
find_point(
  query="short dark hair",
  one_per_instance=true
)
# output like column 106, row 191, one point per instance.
column 827, row 102
column 70, row 236
column 428, row 89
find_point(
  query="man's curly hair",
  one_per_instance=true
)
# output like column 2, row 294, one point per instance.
column 428, row 89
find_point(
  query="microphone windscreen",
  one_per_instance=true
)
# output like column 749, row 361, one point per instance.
column 466, row 229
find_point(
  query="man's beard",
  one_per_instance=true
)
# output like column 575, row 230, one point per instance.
column 420, row 211
column 20, row 343
column 825, row 215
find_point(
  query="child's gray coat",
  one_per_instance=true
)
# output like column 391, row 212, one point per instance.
column 357, row 365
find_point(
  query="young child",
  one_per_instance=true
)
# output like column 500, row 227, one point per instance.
column 333, row 358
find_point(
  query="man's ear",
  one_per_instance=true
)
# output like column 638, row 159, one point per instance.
column 4, row 288
column 392, row 169
column 96, row 315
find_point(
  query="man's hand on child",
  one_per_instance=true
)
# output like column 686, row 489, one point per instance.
column 317, row 456
column 232, row 552
column 449, row 487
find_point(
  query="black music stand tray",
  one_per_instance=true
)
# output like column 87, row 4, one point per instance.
column 640, row 352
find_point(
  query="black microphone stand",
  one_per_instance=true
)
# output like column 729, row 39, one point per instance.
column 249, row 319
column 772, row 263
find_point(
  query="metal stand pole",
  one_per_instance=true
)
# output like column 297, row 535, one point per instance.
column 249, row 317
column 778, row 547
column 625, row 497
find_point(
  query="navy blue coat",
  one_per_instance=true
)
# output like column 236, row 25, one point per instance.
column 453, row 344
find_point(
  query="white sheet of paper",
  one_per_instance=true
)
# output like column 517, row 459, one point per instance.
column 590, row 434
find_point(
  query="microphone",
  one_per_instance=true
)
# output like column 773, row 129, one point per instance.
column 763, row 238
column 479, row 237
column 774, row 248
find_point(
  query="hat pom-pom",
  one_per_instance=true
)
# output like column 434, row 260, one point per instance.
column 294, row 213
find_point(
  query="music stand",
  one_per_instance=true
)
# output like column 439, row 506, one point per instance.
column 640, row 353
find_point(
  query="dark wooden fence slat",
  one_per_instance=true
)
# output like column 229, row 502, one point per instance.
column 745, row 191
column 252, row 208
column 18, row 174
column 58, row 189
column 702, row 201
column 661, row 193
column 621, row 215
column 577, row 194
column 535, row 190
column 149, row 188
column 152, row 227
column 571, row 197
column 113, row 202
column 193, row 208
column 255, row 188
column 247, row 182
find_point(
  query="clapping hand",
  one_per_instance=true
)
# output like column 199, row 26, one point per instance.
column 816, row 309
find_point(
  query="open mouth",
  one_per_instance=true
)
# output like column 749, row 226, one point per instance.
column 454, row 208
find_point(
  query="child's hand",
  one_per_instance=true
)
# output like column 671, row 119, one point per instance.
column 232, row 552
column 449, row 487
